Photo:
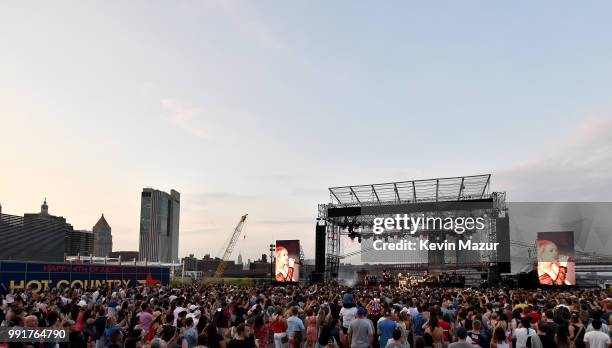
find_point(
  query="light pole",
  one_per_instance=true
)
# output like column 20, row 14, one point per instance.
column 272, row 249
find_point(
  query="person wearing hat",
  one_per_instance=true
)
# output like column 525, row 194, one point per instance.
column 194, row 313
column 155, row 325
column 80, row 320
column 360, row 331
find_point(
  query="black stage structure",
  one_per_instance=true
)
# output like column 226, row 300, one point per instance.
column 352, row 209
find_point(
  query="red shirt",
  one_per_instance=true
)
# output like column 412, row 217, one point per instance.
column 446, row 327
column 535, row 316
column 279, row 326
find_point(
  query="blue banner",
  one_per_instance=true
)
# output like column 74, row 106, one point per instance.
column 40, row 276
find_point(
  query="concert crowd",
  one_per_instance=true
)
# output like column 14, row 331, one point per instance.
column 317, row 316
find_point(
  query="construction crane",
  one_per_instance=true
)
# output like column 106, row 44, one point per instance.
column 230, row 246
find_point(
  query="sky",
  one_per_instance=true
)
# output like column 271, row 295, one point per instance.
column 259, row 106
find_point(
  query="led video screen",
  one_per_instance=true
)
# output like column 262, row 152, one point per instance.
column 555, row 253
column 287, row 257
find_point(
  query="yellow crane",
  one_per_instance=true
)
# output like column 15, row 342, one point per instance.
column 230, row 246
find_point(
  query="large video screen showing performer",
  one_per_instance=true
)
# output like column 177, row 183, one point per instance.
column 555, row 253
column 287, row 264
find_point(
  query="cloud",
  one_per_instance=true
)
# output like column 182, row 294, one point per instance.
column 185, row 116
column 577, row 168
column 248, row 23
column 207, row 198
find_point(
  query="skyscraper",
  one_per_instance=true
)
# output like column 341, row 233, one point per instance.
column 34, row 237
column 103, row 239
column 159, row 225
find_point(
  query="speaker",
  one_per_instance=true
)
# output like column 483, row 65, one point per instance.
column 320, row 248
column 502, row 230
column 316, row 277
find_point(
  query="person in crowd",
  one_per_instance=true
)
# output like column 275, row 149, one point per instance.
column 396, row 340
column 347, row 315
column 596, row 338
column 134, row 339
column 279, row 328
column 405, row 325
column 477, row 336
column 541, row 339
column 562, row 336
column 523, row 332
column 597, row 314
column 461, row 340
column 418, row 321
column 311, row 328
column 576, row 332
column 435, row 331
column 360, row 331
column 154, row 327
column 295, row 328
column 240, row 338
column 386, row 325
column 499, row 339
column 213, row 338
column 145, row 318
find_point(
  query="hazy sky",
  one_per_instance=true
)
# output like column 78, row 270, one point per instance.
column 260, row 106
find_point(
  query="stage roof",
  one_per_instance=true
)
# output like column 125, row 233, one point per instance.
column 428, row 190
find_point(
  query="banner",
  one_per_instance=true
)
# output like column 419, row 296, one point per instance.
column 40, row 276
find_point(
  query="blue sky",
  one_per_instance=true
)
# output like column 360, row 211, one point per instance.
column 259, row 106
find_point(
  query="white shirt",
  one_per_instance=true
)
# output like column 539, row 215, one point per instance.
column 195, row 320
column 597, row 339
column 521, row 335
column 348, row 315
column 413, row 312
column 604, row 329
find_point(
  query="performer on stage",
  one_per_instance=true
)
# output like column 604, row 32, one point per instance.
column 387, row 278
column 284, row 265
column 552, row 267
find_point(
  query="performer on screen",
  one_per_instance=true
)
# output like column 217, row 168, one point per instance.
column 284, row 265
column 552, row 267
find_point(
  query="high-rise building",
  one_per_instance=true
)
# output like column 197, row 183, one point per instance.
column 34, row 237
column 79, row 242
column 159, row 225
column 103, row 239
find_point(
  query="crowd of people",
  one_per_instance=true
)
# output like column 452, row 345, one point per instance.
column 317, row 316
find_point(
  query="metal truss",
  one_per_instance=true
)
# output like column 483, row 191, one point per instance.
column 429, row 190
column 464, row 189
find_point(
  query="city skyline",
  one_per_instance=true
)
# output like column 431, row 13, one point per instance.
column 258, row 108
